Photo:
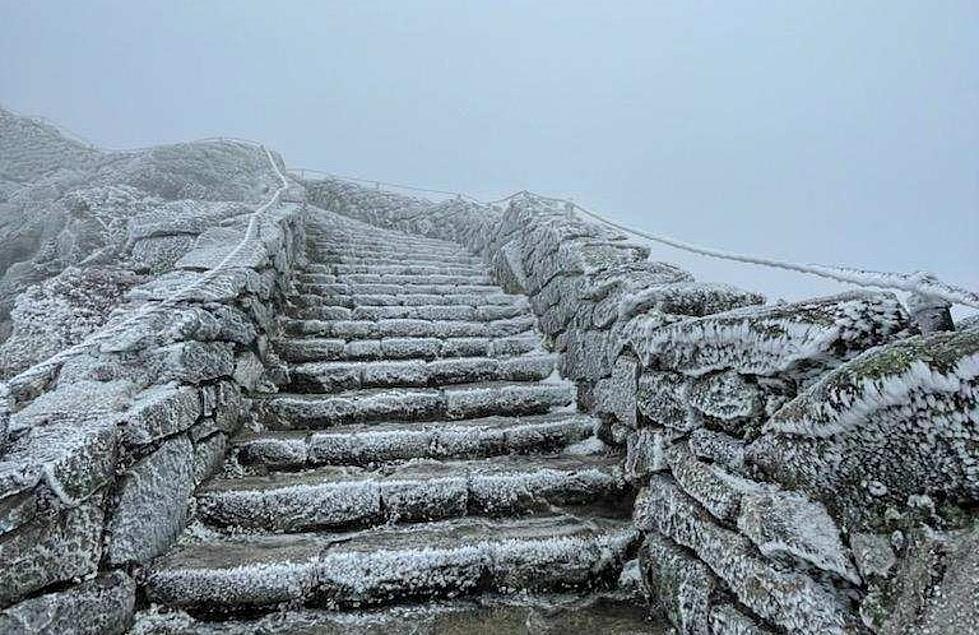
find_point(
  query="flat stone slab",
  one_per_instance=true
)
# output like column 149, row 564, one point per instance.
column 364, row 444
column 550, row 613
column 451, row 558
column 464, row 401
column 422, row 490
column 338, row 376
column 299, row 350
column 398, row 327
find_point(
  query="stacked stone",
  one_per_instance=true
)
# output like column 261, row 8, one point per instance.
column 102, row 449
column 784, row 453
column 420, row 447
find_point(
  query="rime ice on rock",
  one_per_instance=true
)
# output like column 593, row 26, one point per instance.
column 898, row 415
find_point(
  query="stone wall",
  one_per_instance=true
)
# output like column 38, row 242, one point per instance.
column 101, row 449
column 802, row 467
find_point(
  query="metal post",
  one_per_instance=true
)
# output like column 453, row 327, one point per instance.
column 929, row 313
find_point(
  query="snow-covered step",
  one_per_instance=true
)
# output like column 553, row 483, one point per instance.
column 404, row 327
column 403, row 269
column 337, row 498
column 573, row 613
column 450, row 558
column 390, row 278
column 452, row 312
column 366, row 444
column 478, row 313
column 316, row 349
column 286, row 411
column 388, row 288
column 337, row 376
column 402, row 260
column 382, row 241
column 416, row 299
column 328, row 250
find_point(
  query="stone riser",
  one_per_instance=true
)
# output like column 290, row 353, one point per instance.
column 422, row 492
column 440, row 329
column 355, row 289
column 432, row 261
column 363, row 445
column 601, row 612
column 327, row 377
column 446, row 559
column 398, row 348
column 327, row 251
column 418, row 299
column 390, row 278
column 400, row 269
column 452, row 313
column 286, row 412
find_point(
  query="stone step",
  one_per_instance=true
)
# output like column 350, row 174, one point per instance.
column 602, row 612
column 449, row 558
column 357, row 231
column 320, row 377
column 372, row 288
column 383, row 240
column 285, row 411
column 389, row 251
column 457, row 312
column 337, row 498
column 401, row 269
column 390, row 278
column 298, row 350
column 403, row 327
column 367, row 444
column 412, row 260
column 415, row 299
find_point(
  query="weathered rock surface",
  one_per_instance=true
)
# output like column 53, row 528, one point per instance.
column 152, row 504
column 897, row 421
column 102, row 606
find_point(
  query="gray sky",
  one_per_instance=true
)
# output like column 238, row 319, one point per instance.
column 835, row 132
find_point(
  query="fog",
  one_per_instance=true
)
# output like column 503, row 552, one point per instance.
column 831, row 132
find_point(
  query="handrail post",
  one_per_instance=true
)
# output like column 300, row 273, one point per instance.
column 929, row 313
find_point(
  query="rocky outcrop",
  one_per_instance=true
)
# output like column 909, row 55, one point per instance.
column 81, row 226
column 118, row 399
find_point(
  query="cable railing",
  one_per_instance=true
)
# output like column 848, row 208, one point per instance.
column 182, row 292
column 919, row 282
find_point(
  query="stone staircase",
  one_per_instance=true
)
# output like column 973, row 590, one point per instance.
column 423, row 468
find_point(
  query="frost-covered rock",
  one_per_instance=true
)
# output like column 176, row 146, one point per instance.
column 873, row 554
column 51, row 550
column 194, row 362
column 726, row 397
column 718, row 447
column 52, row 316
column 662, row 398
column 727, row 619
column 160, row 412
column 616, row 395
column 678, row 583
column 152, row 503
column 799, row 338
column 102, row 606
column 695, row 299
column 790, row 525
column 897, row 421
column 932, row 588
column 645, row 453
column 719, row 493
column 786, row 598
